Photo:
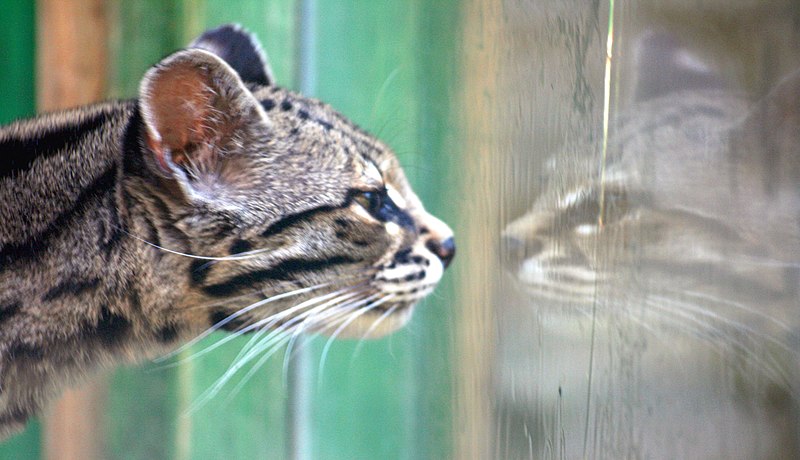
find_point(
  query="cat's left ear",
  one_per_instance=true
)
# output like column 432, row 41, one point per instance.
column 769, row 137
column 197, row 114
column 240, row 49
column 665, row 66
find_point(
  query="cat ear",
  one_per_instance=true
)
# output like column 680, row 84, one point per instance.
column 664, row 66
column 769, row 137
column 196, row 108
column 240, row 49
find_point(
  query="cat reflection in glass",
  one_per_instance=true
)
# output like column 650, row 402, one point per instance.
column 687, row 230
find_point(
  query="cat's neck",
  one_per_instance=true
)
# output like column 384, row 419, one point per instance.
column 78, row 286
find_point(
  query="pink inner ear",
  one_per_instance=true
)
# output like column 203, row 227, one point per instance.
column 181, row 109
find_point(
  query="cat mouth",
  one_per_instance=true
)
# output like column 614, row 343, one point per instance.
column 397, row 286
column 563, row 283
column 373, row 322
column 410, row 276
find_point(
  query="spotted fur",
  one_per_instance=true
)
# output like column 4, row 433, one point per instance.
column 128, row 227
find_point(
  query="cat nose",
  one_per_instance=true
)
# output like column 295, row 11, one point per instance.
column 445, row 250
column 515, row 250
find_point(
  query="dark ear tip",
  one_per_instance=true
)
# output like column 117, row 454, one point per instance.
column 665, row 65
column 225, row 32
column 240, row 49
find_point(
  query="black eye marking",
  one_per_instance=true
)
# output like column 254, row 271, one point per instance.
column 590, row 211
column 380, row 206
column 371, row 201
column 584, row 212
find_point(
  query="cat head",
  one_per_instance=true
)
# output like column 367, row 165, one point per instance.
column 689, row 197
column 293, row 213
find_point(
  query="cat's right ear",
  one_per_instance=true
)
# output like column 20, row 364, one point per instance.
column 665, row 66
column 240, row 49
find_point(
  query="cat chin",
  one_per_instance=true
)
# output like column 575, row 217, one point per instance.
column 374, row 324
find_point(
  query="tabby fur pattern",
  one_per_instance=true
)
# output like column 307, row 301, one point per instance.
column 215, row 200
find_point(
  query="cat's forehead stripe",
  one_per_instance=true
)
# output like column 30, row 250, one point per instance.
column 371, row 170
column 396, row 196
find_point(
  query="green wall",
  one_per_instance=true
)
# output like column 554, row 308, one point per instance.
column 17, row 41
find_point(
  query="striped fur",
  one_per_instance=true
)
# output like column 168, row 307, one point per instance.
column 128, row 227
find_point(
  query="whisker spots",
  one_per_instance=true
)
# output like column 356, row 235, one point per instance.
column 240, row 246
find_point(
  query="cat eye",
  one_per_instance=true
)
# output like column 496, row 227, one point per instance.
column 372, row 201
column 379, row 204
column 589, row 209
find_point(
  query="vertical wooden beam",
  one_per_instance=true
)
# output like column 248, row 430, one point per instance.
column 479, row 229
column 71, row 70
column 72, row 53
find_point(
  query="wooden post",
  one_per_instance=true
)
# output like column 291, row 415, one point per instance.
column 479, row 229
column 71, row 70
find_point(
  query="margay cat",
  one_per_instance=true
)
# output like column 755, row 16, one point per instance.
column 687, row 228
column 216, row 199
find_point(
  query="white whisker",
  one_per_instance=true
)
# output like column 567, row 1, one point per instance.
column 273, row 339
column 238, row 313
column 338, row 296
column 350, row 319
column 246, row 255
column 313, row 321
column 263, row 325
column 288, row 336
column 374, row 325
column 726, row 340
column 723, row 320
column 731, row 303
column 276, row 339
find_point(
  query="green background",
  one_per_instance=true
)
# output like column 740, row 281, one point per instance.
column 17, row 40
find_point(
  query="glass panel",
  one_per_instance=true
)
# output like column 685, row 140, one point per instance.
column 650, row 305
